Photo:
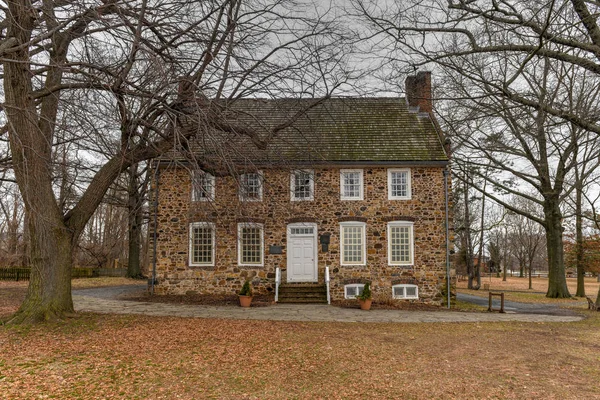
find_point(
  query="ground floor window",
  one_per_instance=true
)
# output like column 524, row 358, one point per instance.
column 353, row 290
column 400, row 243
column 250, row 244
column 202, row 244
column 405, row 291
column 353, row 243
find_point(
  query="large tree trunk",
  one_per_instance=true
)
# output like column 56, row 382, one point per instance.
column 557, row 282
column 49, row 293
column 31, row 138
column 135, row 224
column 579, row 242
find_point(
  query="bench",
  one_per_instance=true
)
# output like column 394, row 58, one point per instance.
column 591, row 304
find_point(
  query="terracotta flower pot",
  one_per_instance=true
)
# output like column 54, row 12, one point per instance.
column 365, row 304
column 245, row 301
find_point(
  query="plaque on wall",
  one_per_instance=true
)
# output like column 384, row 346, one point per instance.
column 275, row 250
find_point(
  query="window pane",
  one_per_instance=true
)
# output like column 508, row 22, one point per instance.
column 251, row 186
column 202, row 244
column 302, row 231
column 399, row 183
column 251, row 245
column 351, row 184
column 202, row 185
column 411, row 291
column 400, row 248
column 302, row 185
column 352, row 244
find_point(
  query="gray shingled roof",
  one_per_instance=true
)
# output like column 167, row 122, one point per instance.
column 342, row 130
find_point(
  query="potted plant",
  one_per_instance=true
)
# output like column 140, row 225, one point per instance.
column 365, row 298
column 246, row 295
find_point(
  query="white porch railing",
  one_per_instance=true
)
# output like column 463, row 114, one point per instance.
column 277, row 283
column 327, row 284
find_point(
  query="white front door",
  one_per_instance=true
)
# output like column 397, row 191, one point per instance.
column 302, row 253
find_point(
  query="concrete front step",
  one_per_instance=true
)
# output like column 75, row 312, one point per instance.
column 303, row 300
column 302, row 293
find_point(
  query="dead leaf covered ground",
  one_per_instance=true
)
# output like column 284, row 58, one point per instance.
column 132, row 357
column 136, row 357
column 517, row 289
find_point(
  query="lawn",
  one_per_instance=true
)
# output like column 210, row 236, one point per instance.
column 517, row 289
column 136, row 357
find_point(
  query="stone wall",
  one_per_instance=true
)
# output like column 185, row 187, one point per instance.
column 426, row 208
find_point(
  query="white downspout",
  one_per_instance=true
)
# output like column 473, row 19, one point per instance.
column 327, row 279
column 277, row 283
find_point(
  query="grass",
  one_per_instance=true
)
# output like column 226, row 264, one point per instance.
column 517, row 289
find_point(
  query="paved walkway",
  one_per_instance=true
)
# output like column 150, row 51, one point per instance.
column 104, row 301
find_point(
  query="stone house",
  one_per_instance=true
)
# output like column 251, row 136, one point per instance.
column 353, row 187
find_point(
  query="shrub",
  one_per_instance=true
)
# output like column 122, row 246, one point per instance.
column 366, row 293
column 246, row 289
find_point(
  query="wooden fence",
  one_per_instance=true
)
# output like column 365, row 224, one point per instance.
column 22, row 274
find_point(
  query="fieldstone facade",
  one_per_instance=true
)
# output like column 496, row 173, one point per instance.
column 425, row 209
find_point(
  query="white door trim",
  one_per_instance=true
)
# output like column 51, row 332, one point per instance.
column 290, row 236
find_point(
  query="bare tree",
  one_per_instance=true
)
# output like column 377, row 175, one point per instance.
column 159, row 66
column 525, row 73
column 526, row 237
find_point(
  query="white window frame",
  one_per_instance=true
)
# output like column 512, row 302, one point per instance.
column 211, row 179
column 411, row 231
column 353, row 285
column 243, row 192
column 408, row 184
column 361, row 194
column 311, row 197
column 242, row 225
column 363, row 227
column 191, row 244
column 404, row 296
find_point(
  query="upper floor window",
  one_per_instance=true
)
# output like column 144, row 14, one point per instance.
column 250, row 244
column 400, row 243
column 302, row 185
column 399, row 184
column 202, row 244
column 251, row 186
column 351, row 184
column 353, row 243
column 203, row 186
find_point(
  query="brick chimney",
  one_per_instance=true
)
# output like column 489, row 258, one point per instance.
column 418, row 91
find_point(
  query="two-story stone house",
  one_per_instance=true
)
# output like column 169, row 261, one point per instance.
column 353, row 185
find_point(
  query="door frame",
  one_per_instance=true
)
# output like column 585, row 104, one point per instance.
column 315, row 249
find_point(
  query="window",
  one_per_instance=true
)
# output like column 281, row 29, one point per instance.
column 203, row 186
column 202, row 244
column 302, row 231
column 352, row 243
column 351, row 291
column 250, row 244
column 399, row 184
column 405, row 292
column 251, row 186
column 302, row 185
column 400, row 243
column 351, row 184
